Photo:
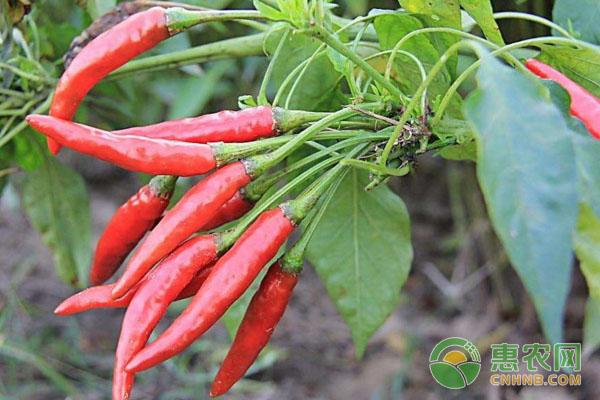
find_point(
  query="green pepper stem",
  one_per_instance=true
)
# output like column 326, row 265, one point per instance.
column 299, row 208
column 251, row 45
column 228, row 238
column 255, row 190
column 293, row 260
column 180, row 19
column 338, row 46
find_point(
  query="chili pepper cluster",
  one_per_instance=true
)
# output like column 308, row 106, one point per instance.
column 173, row 260
column 178, row 254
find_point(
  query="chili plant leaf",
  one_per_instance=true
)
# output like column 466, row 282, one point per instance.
column 362, row 252
column 526, row 169
column 483, row 14
column 97, row 8
column 587, row 247
column 580, row 17
column 439, row 13
column 391, row 28
column 591, row 327
column 581, row 65
column 57, row 204
column 318, row 89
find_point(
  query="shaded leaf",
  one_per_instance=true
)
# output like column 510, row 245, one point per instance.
column 439, row 13
column 483, row 14
column 57, row 204
column 391, row 28
column 464, row 151
column 362, row 252
column 318, row 89
column 526, row 168
column 581, row 17
column 581, row 65
column 586, row 242
column 97, row 8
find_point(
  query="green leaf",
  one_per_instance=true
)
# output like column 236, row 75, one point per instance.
column 526, row 169
column 581, row 65
column 587, row 151
column 439, row 13
column 318, row 89
column 57, row 204
column 586, row 241
column 580, row 17
column 98, row 8
column 483, row 14
column 29, row 149
column 591, row 327
column 390, row 29
column 362, row 252
column 459, row 152
column 268, row 11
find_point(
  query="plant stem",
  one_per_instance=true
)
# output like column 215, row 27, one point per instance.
column 259, row 164
column 251, row 45
column 301, row 206
column 180, row 19
column 229, row 237
column 499, row 51
column 262, row 94
column 338, row 46
column 42, row 108
column 293, row 259
column 254, row 190
column 533, row 18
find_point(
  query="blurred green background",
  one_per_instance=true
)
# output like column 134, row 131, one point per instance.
column 461, row 283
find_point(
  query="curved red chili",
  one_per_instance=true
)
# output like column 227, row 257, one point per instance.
column 230, row 278
column 151, row 300
column 225, row 126
column 188, row 216
column 102, row 55
column 128, row 225
column 264, row 312
column 100, row 296
column 151, row 156
column 584, row 105
column 233, row 209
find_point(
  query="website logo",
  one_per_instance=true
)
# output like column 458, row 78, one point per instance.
column 455, row 363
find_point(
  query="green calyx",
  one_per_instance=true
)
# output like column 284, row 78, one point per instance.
column 163, row 186
column 292, row 262
column 286, row 120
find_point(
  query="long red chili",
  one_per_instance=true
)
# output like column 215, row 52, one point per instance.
column 264, row 312
column 104, row 54
column 584, row 105
column 151, row 300
column 151, row 156
column 231, row 276
column 128, row 225
column 189, row 215
column 225, row 126
column 100, row 296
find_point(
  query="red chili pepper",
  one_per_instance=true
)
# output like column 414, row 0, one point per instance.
column 188, row 216
column 230, row 278
column 104, row 54
column 151, row 300
column 129, row 224
column 264, row 312
column 151, row 156
column 225, row 126
column 584, row 105
column 100, row 296
column 233, row 209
